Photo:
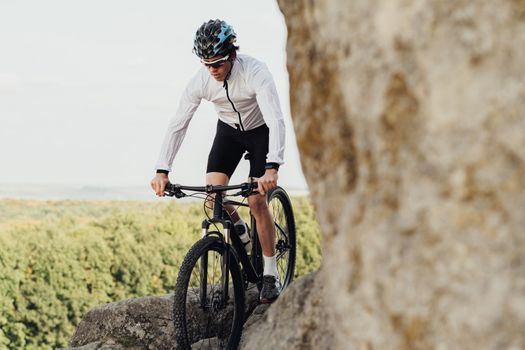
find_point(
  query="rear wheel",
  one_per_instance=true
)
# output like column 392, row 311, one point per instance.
column 285, row 243
column 209, row 302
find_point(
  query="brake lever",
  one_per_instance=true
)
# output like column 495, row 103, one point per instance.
column 179, row 194
column 174, row 190
column 248, row 189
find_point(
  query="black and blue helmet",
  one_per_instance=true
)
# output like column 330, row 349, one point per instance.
column 214, row 38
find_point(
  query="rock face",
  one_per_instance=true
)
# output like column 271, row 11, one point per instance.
column 297, row 320
column 141, row 323
column 410, row 122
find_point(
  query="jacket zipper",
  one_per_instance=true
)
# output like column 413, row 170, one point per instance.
column 233, row 106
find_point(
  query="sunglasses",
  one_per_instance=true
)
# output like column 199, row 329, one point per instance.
column 217, row 63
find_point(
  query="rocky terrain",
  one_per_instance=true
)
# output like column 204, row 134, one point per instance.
column 143, row 323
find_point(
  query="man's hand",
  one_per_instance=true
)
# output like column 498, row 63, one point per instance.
column 267, row 181
column 158, row 184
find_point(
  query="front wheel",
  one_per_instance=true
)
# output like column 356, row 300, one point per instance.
column 285, row 243
column 209, row 302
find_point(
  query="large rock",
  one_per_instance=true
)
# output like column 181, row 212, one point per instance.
column 144, row 323
column 297, row 320
column 410, row 122
column 141, row 323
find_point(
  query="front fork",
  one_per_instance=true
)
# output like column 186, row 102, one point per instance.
column 225, row 266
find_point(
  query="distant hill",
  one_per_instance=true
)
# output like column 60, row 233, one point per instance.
column 58, row 192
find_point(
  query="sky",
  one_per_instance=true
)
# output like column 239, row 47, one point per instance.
column 87, row 88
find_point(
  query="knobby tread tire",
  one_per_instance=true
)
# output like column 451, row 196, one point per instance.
column 280, row 194
column 208, row 243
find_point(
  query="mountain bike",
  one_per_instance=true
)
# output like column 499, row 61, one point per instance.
column 209, row 301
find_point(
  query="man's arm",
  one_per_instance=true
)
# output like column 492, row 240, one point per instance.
column 189, row 102
column 176, row 129
column 159, row 182
column 268, row 101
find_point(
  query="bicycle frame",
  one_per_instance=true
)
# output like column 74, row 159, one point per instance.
column 220, row 256
column 253, row 268
column 230, row 238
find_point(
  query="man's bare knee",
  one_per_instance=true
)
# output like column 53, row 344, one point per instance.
column 210, row 201
column 258, row 204
column 215, row 179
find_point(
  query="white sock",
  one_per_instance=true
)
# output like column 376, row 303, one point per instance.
column 270, row 266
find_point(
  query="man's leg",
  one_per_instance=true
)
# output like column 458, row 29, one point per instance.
column 224, row 157
column 218, row 178
column 265, row 226
column 215, row 178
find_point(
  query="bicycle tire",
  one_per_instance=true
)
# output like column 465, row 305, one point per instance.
column 188, row 314
column 285, row 244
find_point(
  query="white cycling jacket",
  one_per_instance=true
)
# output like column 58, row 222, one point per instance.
column 248, row 100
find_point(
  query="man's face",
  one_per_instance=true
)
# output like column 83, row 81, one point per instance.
column 218, row 67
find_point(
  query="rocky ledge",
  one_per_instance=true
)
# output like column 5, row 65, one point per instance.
column 147, row 323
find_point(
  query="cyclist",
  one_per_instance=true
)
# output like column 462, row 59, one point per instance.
column 250, row 120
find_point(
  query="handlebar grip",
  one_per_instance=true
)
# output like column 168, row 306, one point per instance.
column 173, row 190
column 248, row 188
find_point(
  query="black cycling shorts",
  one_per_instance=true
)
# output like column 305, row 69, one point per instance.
column 229, row 146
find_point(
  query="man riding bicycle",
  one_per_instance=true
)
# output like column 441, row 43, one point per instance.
column 250, row 120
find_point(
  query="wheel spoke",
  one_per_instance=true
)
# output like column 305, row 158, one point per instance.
column 280, row 255
column 280, row 209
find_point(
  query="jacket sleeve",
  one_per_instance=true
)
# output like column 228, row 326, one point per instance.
column 178, row 125
column 262, row 83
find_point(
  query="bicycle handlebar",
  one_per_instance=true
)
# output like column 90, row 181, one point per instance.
column 176, row 189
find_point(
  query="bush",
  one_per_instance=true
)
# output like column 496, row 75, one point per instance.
column 60, row 259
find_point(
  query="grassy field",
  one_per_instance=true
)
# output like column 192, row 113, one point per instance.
column 58, row 259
